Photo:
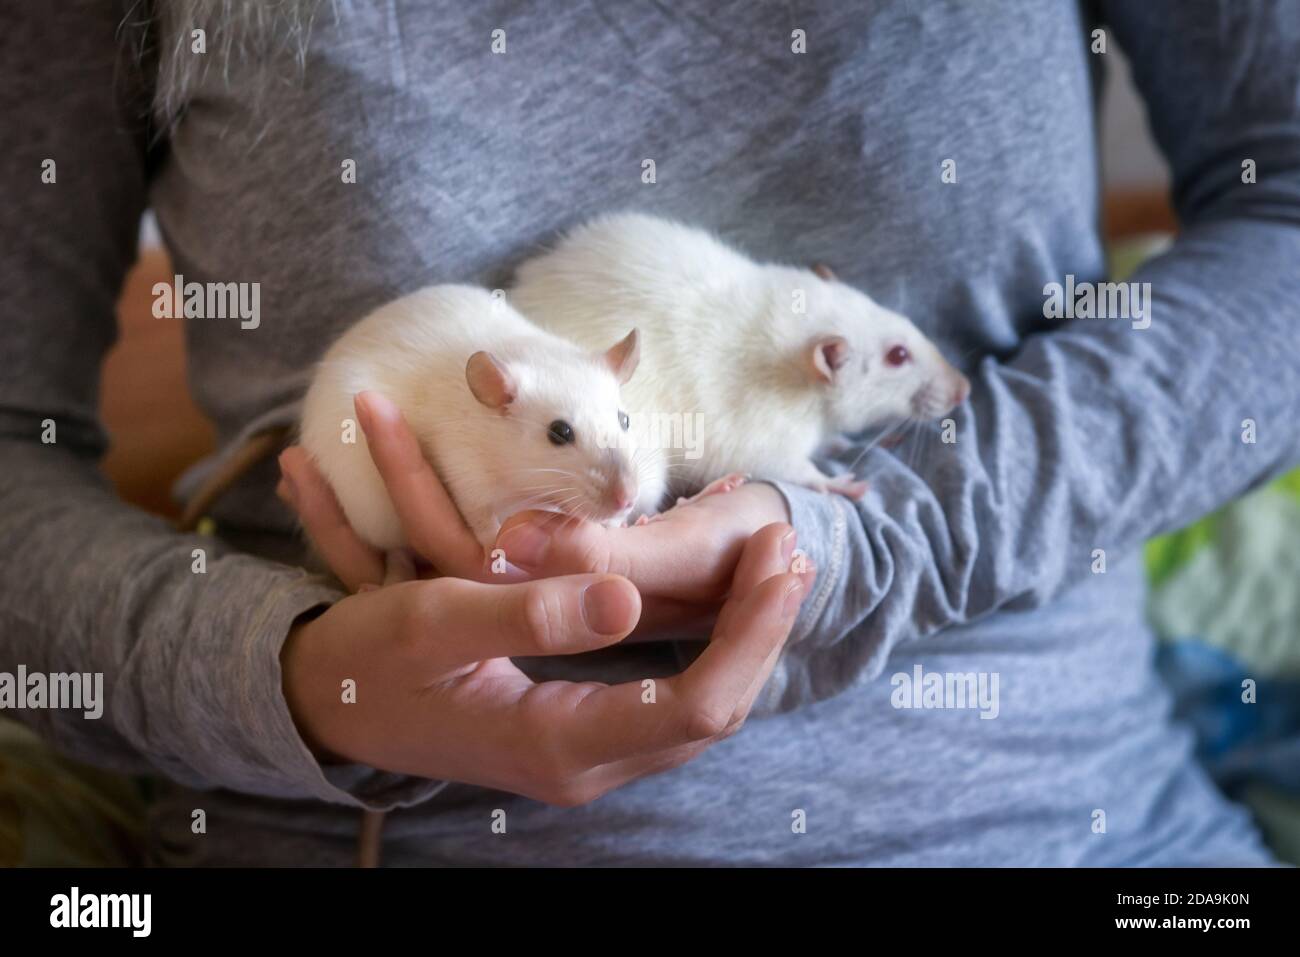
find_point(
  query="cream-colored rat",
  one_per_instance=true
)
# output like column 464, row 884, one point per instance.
column 510, row 416
column 774, row 361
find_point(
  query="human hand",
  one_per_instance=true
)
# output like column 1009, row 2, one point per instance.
column 682, row 563
column 434, row 528
column 437, row 696
column 687, row 554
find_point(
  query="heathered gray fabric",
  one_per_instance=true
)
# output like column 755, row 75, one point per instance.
column 970, row 557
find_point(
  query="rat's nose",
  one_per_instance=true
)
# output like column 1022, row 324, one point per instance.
column 621, row 493
column 961, row 391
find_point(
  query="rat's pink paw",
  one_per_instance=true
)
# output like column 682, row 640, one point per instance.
column 728, row 483
column 719, row 486
column 845, row 485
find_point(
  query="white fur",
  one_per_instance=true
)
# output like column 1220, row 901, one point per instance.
column 414, row 351
column 720, row 335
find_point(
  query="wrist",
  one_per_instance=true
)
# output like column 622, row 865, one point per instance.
column 300, row 690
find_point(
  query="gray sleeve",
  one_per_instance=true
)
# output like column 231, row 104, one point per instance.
column 1097, row 435
column 190, row 662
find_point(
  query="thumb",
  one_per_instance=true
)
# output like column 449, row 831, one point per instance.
column 470, row 621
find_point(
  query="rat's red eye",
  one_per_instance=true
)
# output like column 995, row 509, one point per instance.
column 898, row 356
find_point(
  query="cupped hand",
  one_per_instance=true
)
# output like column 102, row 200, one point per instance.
column 682, row 563
column 434, row 528
column 437, row 696
column 686, row 555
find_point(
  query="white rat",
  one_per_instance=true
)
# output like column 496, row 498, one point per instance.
column 774, row 362
column 510, row 416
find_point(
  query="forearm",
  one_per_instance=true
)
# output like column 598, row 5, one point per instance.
column 188, row 643
column 1098, row 434
column 1090, row 441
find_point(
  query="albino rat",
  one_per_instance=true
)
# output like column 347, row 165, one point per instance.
column 511, row 417
column 773, row 362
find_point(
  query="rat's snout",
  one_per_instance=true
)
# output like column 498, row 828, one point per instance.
column 943, row 393
column 960, row 389
column 620, row 492
column 614, row 487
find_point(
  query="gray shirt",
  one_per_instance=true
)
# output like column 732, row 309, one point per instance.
column 973, row 557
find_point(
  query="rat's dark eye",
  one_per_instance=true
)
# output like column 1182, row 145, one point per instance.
column 898, row 356
column 623, row 421
column 560, row 432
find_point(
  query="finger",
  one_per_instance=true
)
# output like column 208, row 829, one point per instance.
column 619, row 725
column 762, row 560
column 399, row 566
column 664, row 558
column 669, row 619
column 621, row 721
column 463, row 621
column 305, row 490
column 770, row 551
column 607, row 777
column 808, row 578
column 746, row 639
column 433, row 525
column 688, row 554
column 665, row 619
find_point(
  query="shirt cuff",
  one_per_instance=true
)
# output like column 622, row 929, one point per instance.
column 821, row 522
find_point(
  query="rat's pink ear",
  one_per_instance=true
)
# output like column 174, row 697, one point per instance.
column 824, row 271
column 623, row 356
column 825, row 355
column 489, row 381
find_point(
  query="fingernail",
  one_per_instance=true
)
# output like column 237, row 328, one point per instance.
column 607, row 606
column 788, row 541
column 793, row 599
column 361, row 402
column 525, row 545
column 378, row 406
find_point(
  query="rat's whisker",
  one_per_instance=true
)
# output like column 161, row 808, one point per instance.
column 547, row 488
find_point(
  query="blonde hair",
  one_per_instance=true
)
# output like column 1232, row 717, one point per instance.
column 256, row 32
